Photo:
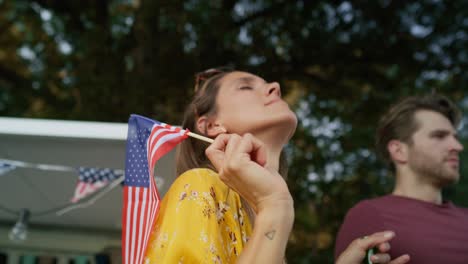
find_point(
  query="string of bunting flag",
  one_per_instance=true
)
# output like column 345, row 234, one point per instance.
column 90, row 181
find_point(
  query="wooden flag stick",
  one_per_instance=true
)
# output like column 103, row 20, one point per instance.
column 209, row 140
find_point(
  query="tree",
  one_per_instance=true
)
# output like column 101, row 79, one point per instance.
column 340, row 63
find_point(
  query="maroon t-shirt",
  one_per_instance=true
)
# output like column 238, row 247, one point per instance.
column 428, row 232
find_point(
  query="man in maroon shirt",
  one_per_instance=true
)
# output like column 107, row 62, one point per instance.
column 418, row 139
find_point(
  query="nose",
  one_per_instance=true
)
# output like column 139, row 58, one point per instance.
column 457, row 145
column 273, row 88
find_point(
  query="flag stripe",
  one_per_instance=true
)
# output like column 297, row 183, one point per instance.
column 125, row 222
column 156, row 201
column 158, row 151
column 143, row 224
column 159, row 135
column 135, row 212
column 169, row 139
column 138, row 225
column 157, row 130
column 164, row 148
column 155, row 208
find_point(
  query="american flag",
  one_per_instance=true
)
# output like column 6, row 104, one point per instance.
column 147, row 141
column 92, row 179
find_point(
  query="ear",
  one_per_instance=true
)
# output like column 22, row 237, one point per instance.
column 210, row 127
column 398, row 151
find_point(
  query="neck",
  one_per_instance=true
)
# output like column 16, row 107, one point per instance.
column 274, row 146
column 410, row 185
column 273, row 160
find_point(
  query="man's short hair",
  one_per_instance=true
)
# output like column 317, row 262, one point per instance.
column 399, row 123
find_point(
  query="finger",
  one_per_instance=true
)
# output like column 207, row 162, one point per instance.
column 220, row 142
column 401, row 259
column 375, row 239
column 380, row 258
column 255, row 148
column 384, row 247
column 231, row 146
column 216, row 151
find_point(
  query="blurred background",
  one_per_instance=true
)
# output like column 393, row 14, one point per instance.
column 340, row 65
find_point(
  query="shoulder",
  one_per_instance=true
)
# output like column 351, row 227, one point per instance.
column 362, row 219
column 198, row 174
column 368, row 206
column 196, row 184
column 461, row 209
column 366, row 215
column 199, row 178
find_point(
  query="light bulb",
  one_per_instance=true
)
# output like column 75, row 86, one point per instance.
column 19, row 232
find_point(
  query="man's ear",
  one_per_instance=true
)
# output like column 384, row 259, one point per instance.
column 210, row 127
column 398, row 151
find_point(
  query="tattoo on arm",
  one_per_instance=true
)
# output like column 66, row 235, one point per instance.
column 270, row 234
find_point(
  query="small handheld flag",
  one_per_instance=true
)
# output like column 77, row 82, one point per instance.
column 147, row 141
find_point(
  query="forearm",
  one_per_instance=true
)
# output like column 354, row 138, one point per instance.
column 271, row 231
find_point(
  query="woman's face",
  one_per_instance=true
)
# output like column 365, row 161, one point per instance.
column 247, row 103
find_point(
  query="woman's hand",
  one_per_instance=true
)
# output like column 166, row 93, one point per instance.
column 241, row 162
column 355, row 253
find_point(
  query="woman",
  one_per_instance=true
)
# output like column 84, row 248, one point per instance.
column 244, row 213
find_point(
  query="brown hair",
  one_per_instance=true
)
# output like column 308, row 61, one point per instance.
column 191, row 152
column 399, row 123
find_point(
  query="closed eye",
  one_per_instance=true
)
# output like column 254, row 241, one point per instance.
column 245, row 88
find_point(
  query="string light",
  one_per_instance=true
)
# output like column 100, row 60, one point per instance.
column 19, row 232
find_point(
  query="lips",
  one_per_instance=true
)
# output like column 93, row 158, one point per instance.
column 453, row 160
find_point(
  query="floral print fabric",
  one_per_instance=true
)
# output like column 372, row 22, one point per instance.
column 200, row 221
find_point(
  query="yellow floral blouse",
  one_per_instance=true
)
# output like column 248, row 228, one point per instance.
column 200, row 221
